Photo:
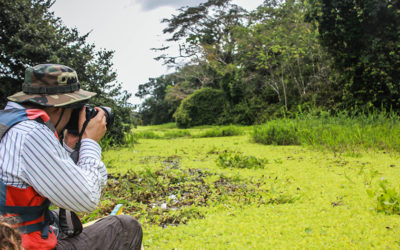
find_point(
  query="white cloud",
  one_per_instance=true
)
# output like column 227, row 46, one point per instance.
column 154, row 4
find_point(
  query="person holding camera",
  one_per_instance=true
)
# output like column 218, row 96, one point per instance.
column 36, row 170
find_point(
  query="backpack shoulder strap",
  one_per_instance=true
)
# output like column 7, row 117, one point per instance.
column 9, row 118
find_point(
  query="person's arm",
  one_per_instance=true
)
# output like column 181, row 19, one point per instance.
column 52, row 173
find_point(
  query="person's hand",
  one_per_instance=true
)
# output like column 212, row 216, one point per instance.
column 96, row 128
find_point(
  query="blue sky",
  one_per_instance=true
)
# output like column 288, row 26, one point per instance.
column 130, row 28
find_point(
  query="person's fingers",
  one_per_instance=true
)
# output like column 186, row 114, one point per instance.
column 100, row 113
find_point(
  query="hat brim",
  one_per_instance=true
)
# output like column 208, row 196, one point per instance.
column 57, row 100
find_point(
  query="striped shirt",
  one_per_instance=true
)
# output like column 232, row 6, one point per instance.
column 31, row 155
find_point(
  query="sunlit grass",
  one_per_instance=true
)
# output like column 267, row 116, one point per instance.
column 169, row 131
column 376, row 131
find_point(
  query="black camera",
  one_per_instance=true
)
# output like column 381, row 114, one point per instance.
column 72, row 125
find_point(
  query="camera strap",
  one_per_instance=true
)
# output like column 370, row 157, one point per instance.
column 71, row 226
column 75, row 154
column 59, row 119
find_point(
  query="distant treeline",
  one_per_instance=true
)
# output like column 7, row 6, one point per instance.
column 241, row 67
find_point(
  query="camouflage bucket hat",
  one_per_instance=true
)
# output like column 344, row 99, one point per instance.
column 51, row 85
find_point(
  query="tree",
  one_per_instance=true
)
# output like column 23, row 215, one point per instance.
column 155, row 109
column 195, row 28
column 205, row 106
column 263, row 61
column 284, row 51
column 30, row 34
column 22, row 21
column 363, row 38
column 205, row 35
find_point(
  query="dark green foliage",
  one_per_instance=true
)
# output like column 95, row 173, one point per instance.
column 280, row 54
column 269, row 61
column 262, row 61
column 153, row 112
column 204, row 106
column 30, row 34
column 155, row 109
column 24, row 27
column 363, row 38
column 388, row 198
column 237, row 160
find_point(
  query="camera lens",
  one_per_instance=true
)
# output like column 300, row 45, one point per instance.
column 72, row 125
column 92, row 112
column 109, row 115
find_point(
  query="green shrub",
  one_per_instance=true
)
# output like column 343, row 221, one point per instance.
column 106, row 142
column 146, row 135
column 221, row 132
column 201, row 108
column 280, row 132
column 388, row 200
column 237, row 160
column 176, row 134
column 130, row 139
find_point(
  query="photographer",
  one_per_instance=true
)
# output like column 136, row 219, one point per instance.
column 36, row 170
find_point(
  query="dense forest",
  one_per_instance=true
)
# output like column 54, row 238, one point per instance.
column 232, row 66
column 240, row 67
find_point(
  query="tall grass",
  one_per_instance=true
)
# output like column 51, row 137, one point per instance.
column 146, row 134
column 176, row 134
column 342, row 132
column 130, row 140
column 221, row 132
column 106, row 142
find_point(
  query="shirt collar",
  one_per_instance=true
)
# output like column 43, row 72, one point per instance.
column 13, row 105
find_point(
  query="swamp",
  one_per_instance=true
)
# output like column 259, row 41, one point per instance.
column 213, row 187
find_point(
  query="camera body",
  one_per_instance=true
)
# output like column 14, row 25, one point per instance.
column 72, row 125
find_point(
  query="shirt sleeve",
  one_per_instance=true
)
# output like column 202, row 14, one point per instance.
column 68, row 149
column 52, row 173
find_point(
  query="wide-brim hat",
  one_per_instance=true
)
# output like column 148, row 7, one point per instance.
column 51, row 85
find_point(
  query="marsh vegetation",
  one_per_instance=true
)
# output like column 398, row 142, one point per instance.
column 307, row 182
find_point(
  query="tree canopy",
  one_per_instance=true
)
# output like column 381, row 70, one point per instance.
column 363, row 38
column 30, row 34
column 314, row 54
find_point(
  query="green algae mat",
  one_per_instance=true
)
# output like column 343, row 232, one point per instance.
column 231, row 193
